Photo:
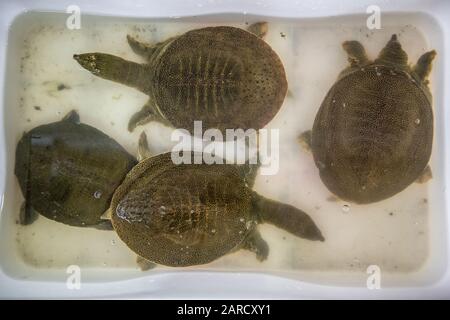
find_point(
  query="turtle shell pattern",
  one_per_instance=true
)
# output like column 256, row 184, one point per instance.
column 181, row 215
column 373, row 134
column 68, row 171
column 224, row 76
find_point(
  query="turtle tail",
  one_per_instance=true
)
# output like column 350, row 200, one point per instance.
column 286, row 217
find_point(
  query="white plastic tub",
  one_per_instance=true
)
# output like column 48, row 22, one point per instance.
column 413, row 269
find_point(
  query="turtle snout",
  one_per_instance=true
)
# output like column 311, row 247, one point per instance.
column 87, row 61
column 313, row 233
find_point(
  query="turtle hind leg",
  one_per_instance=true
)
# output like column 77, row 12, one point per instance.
column 248, row 172
column 145, row 49
column 142, row 49
column 425, row 176
column 259, row 29
column 143, row 150
column 356, row 53
column 27, row 214
column 148, row 113
column 255, row 243
column 423, row 67
column 144, row 264
column 305, row 140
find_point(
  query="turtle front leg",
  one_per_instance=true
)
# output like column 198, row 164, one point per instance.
column 145, row 49
column 259, row 29
column 255, row 243
column 140, row 48
column 149, row 112
column 144, row 264
column 356, row 53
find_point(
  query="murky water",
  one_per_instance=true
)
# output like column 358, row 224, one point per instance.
column 45, row 83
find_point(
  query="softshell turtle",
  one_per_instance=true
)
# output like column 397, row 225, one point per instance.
column 224, row 76
column 373, row 133
column 68, row 171
column 191, row 214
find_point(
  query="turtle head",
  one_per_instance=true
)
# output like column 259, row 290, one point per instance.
column 113, row 68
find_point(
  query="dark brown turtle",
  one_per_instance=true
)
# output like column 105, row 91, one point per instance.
column 373, row 134
column 190, row 214
column 225, row 77
column 68, row 171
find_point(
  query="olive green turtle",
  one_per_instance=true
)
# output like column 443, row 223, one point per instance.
column 68, row 171
column 224, row 76
column 190, row 214
column 373, row 134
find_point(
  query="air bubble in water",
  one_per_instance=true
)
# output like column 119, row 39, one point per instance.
column 97, row 194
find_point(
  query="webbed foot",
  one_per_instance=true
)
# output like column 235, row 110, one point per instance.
column 424, row 64
column 144, row 264
column 140, row 48
column 259, row 29
column 143, row 150
column 146, row 114
column 305, row 140
column 356, row 53
column 425, row 176
column 255, row 243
